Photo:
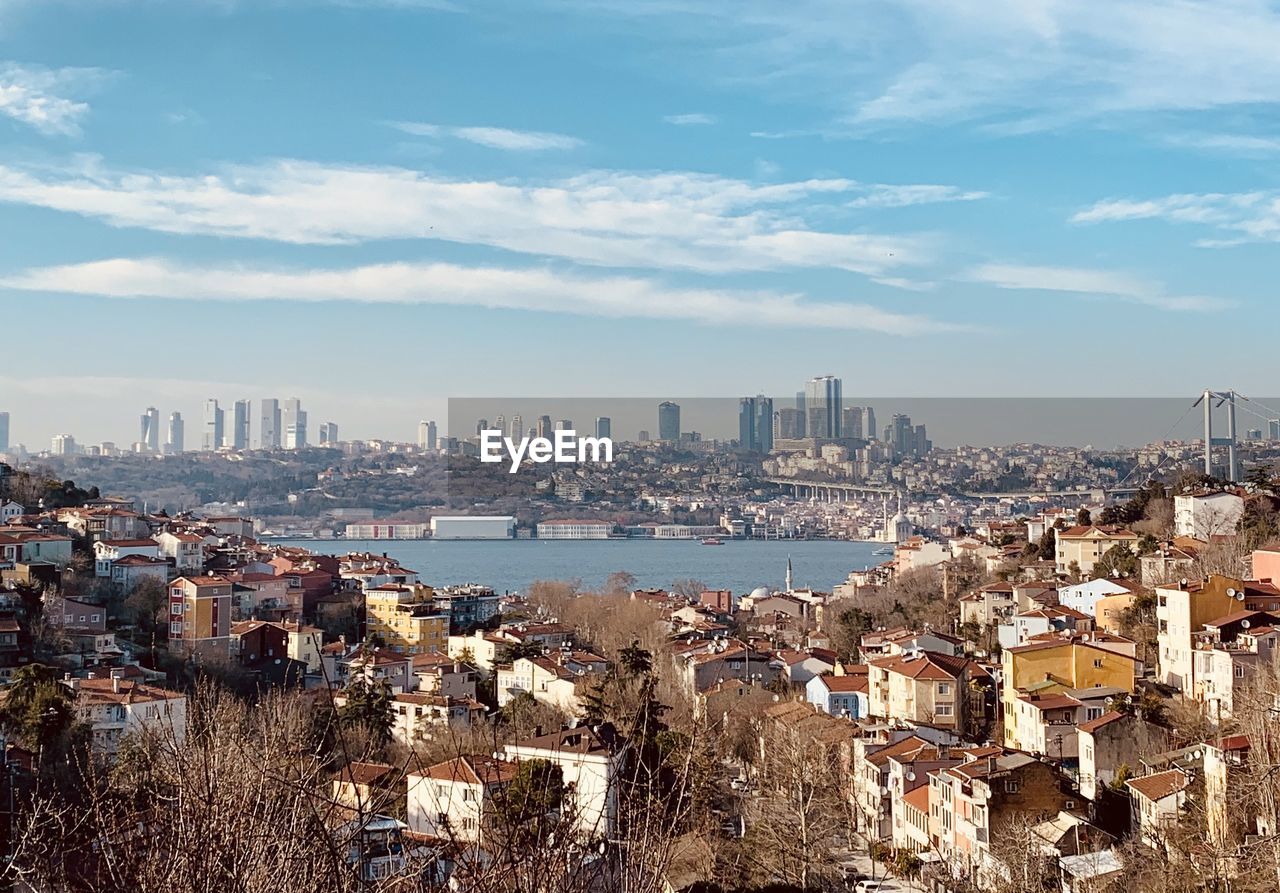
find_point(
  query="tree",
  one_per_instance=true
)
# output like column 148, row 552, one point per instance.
column 1118, row 561
column 634, row 660
column 524, row 810
column 369, row 706
column 620, row 583
column 38, row 709
column 1084, row 517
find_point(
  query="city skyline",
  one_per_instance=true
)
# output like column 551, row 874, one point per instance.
column 773, row 193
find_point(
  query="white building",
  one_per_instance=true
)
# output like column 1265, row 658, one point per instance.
column 590, row 762
column 473, row 527
column 107, row 551
column 574, row 530
column 450, row 800
column 1205, row 515
column 1084, row 597
column 117, row 707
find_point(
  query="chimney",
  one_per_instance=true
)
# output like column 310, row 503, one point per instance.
column 115, row 684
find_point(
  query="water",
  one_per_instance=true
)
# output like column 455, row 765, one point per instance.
column 738, row 565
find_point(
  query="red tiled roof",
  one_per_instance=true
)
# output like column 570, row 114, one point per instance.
column 1160, row 785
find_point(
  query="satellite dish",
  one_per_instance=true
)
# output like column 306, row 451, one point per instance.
column 1239, row 596
column 1231, row 593
column 911, row 775
column 1244, row 623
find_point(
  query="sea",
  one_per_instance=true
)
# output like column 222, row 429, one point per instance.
column 511, row 565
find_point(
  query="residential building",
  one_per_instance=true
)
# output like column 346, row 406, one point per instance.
column 269, row 427
column 669, row 421
column 1182, row 610
column 200, row 615
column 186, row 550
column 1077, row 549
column 589, row 760
column 116, row 707
column 923, row 688
column 1158, row 801
column 1085, row 596
column 1056, row 667
column 418, row 716
column 1113, row 742
column 406, row 619
column 452, row 800
column 1203, row 516
column 107, row 551
column 840, row 695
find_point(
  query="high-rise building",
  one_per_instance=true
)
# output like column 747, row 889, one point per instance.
column 669, row 421
column 822, row 401
column 329, row 434
column 239, row 435
column 788, row 424
column 801, row 415
column 604, row 426
column 755, row 424
column 1273, row 429
column 150, row 429
column 176, row 441
column 4, row 432
column 212, row 436
column 544, row 426
column 868, row 423
column 269, row 424
column 294, row 419
column 564, row 425
column 517, row 427
column 425, row 431
column 63, row 445
column 851, row 422
column 500, row 425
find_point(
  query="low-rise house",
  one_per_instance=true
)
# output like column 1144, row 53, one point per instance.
column 798, row 667
column 116, row 707
column 1112, row 744
column 421, row 717
column 365, row 787
column 589, row 760
column 723, row 660
column 901, row 640
column 131, row 571
column 376, row 666
column 990, row 604
column 107, row 551
column 452, row 800
column 1020, row 628
column 840, row 695
column 262, row 596
column 1158, row 802
column 922, row 688
column 186, row 550
column 1205, row 515
column 1078, row 549
column 1182, row 610
column 1085, row 596
column 1054, row 667
column 439, row 674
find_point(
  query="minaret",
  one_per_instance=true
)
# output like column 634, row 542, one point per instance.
column 788, row 573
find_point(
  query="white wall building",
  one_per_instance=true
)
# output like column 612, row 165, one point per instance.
column 1205, row 515
column 473, row 527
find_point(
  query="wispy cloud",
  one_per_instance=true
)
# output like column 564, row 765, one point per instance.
column 537, row 290
column 43, row 98
column 1241, row 216
column 1101, row 283
column 667, row 220
column 886, row 196
column 492, row 137
column 693, row 119
column 1040, row 63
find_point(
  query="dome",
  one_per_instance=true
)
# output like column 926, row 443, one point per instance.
column 760, row 592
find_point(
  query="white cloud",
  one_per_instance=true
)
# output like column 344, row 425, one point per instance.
column 536, row 290
column 884, row 196
column 693, row 119
column 1242, row 216
column 669, row 220
column 41, row 97
column 492, row 137
column 1102, row 283
column 1039, row 62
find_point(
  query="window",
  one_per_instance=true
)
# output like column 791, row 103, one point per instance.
column 175, row 608
column 1239, row 672
column 944, row 710
column 1011, row 786
column 175, row 628
column 1092, row 712
column 944, row 688
column 1097, row 664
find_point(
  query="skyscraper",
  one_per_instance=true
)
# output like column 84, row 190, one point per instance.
column 427, row 436
column 869, row 423
column 604, row 426
column 64, row 445
column 669, row 421
column 822, row 399
column 544, row 426
column 240, row 425
column 269, row 424
column 150, row 429
column 295, row 425
column 1273, row 429
column 4, row 432
column 564, row 425
column 211, row 438
column 851, row 423
column 799, row 426
column 329, row 434
column 755, row 424
column 176, row 441
column 517, row 427
column 500, row 425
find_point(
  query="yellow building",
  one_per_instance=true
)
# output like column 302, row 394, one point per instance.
column 1046, row 668
column 405, row 619
column 1082, row 546
column 1184, row 609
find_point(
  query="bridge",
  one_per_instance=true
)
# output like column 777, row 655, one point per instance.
column 836, row 491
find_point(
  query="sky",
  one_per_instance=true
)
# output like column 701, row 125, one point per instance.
column 376, row 205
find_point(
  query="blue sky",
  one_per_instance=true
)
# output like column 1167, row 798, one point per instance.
column 378, row 205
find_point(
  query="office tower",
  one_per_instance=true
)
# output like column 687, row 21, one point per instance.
column 329, row 434
column 150, row 430
column 211, row 439
column 432, row 440
column 755, row 424
column 517, row 427
column 564, row 425
column 424, row 431
column 851, row 422
column 900, row 435
column 669, row 421
column 269, row 424
column 1254, row 434
column 63, row 445
column 822, row 400
column 604, row 426
column 642, row 436
column 482, row 426
column 869, row 423
column 239, row 434
column 294, row 419
column 544, row 426
column 4, row 432
column 176, row 441
column 500, row 425
column 800, row 414
column 788, row 424
column 922, row 442
column 1273, row 429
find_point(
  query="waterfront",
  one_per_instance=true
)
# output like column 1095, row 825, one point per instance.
column 738, row 565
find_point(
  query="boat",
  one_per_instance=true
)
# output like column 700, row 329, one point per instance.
column 713, row 541
column 884, row 550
